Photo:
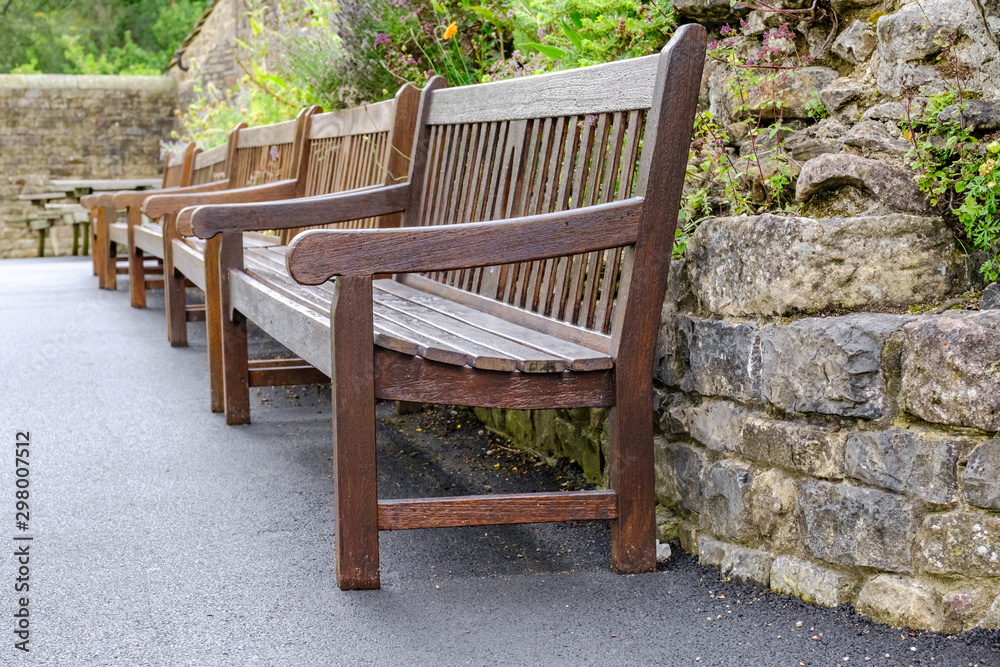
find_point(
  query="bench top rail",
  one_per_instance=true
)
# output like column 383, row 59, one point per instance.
column 210, row 165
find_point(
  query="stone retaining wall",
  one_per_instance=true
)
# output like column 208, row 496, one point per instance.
column 819, row 434
column 65, row 127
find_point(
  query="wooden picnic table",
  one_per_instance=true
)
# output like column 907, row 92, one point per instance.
column 49, row 214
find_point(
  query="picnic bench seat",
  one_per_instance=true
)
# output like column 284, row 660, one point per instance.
column 340, row 150
column 528, row 272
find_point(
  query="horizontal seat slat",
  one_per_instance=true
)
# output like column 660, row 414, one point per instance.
column 118, row 232
column 576, row 357
column 149, row 239
column 411, row 322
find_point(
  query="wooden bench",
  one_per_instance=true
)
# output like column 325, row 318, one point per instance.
column 108, row 234
column 553, row 301
column 337, row 151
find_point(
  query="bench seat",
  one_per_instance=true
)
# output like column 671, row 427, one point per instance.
column 406, row 320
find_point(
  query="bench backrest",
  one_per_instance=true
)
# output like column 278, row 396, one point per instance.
column 177, row 167
column 549, row 143
column 210, row 165
column 360, row 147
column 265, row 153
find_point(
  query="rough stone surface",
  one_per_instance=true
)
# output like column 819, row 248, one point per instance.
column 992, row 618
column 901, row 602
column 906, row 47
column 723, row 359
column 747, row 566
column 841, row 93
column 809, row 142
column 981, row 115
column 67, row 127
column 950, row 369
column 708, row 10
column 667, row 360
column 964, row 543
column 893, row 185
column 902, row 461
column 850, row 525
column 981, row 481
column 829, row 365
column 716, row 424
column 855, row 43
column 870, row 139
column 679, row 473
column 796, row 94
column 711, row 551
column 771, row 265
column 810, row 582
column 209, row 57
column 991, row 297
column 816, row 450
column 724, row 510
column 772, row 509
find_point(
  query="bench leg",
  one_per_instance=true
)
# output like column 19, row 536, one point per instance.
column 354, row 471
column 136, row 269
column 85, row 230
column 76, row 239
column 235, row 369
column 214, row 317
column 107, row 268
column 630, row 467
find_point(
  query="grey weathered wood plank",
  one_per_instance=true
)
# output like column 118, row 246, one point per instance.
column 576, row 357
column 617, row 86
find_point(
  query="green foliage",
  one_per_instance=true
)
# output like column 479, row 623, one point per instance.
column 957, row 169
column 577, row 33
column 94, row 37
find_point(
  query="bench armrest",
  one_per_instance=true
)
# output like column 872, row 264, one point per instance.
column 357, row 204
column 128, row 198
column 315, row 256
column 160, row 205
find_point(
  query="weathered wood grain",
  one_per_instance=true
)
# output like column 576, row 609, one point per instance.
column 316, row 256
column 496, row 509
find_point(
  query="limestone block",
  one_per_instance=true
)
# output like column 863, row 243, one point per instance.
column 965, row 543
column 991, row 297
column 901, row 602
column 982, row 476
column 810, row 582
column 906, row 47
column 830, row 365
column 724, row 501
column 747, row 566
column 893, row 185
column 679, row 470
column 850, row 525
column 816, row 450
column 772, row 265
column 723, row 359
column 950, row 364
column 902, row 461
column 855, row 43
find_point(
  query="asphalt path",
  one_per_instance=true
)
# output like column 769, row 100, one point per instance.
column 160, row 536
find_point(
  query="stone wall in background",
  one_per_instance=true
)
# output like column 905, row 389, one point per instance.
column 828, row 428
column 72, row 127
column 207, row 56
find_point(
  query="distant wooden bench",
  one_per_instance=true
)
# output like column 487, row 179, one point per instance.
column 108, row 234
column 336, row 151
column 553, row 302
